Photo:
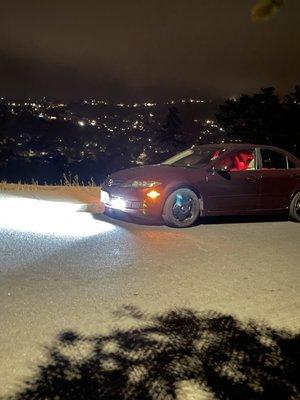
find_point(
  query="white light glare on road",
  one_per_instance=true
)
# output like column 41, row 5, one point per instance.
column 59, row 218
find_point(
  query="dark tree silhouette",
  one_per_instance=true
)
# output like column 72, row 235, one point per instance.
column 292, row 120
column 232, row 360
column 263, row 118
column 170, row 138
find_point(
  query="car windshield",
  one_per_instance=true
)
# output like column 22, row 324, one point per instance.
column 194, row 158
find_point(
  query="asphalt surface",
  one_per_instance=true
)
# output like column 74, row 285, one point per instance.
column 65, row 268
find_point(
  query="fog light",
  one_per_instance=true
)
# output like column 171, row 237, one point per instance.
column 153, row 194
column 118, row 203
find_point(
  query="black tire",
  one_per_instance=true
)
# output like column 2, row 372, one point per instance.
column 181, row 208
column 295, row 207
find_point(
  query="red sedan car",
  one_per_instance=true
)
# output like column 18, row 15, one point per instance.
column 209, row 180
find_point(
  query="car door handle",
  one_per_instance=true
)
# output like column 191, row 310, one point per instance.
column 296, row 176
column 252, row 178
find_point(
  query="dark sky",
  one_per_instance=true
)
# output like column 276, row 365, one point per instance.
column 145, row 49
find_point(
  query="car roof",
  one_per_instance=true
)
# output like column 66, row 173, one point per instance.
column 236, row 146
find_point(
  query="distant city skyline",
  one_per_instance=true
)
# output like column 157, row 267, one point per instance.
column 41, row 138
column 104, row 101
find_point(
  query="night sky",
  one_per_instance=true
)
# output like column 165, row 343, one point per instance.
column 138, row 49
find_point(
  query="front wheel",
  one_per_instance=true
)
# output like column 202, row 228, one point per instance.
column 181, row 208
column 295, row 207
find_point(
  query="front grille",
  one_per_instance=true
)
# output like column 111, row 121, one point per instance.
column 130, row 204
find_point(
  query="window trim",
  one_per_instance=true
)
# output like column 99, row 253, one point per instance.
column 260, row 167
column 235, row 151
column 290, row 161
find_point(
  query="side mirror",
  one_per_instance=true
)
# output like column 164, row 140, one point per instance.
column 220, row 169
column 224, row 165
column 223, row 171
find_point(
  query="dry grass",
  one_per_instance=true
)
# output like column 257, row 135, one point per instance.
column 68, row 189
column 67, row 181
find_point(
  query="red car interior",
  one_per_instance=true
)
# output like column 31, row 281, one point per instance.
column 239, row 161
column 242, row 160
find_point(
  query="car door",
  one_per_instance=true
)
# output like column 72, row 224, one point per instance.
column 233, row 186
column 278, row 180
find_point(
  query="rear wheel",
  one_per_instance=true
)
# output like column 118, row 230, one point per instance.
column 295, row 207
column 181, row 208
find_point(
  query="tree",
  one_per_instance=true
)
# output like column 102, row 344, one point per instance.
column 292, row 120
column 263, row 118
column 265, row 9
column 170, row 138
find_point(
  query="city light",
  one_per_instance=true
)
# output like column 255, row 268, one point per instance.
column 136, row 126
column 149, row 104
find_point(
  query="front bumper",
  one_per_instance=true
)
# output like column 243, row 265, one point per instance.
column 132, row 201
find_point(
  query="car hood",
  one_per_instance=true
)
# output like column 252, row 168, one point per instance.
column 160, row 172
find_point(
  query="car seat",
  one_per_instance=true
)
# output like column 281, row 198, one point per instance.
column 242, row 160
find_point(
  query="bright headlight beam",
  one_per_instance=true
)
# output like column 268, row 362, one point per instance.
column 49, row 217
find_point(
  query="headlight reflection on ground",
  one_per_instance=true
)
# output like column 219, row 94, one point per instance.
column 49, row 217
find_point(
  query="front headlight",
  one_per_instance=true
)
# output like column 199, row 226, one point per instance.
column 141, row 184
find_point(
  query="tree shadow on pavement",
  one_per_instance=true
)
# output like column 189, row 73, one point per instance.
column 227, row 358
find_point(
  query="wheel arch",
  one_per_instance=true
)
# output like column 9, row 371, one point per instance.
column 295, row 192
column 293, row 205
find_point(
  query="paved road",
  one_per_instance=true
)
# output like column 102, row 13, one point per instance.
column 60, row 269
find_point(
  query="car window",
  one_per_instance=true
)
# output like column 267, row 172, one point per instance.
column 291, row 164
column 194, row 158
column 242, row 160
column 272, row 159
column 177, row 157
